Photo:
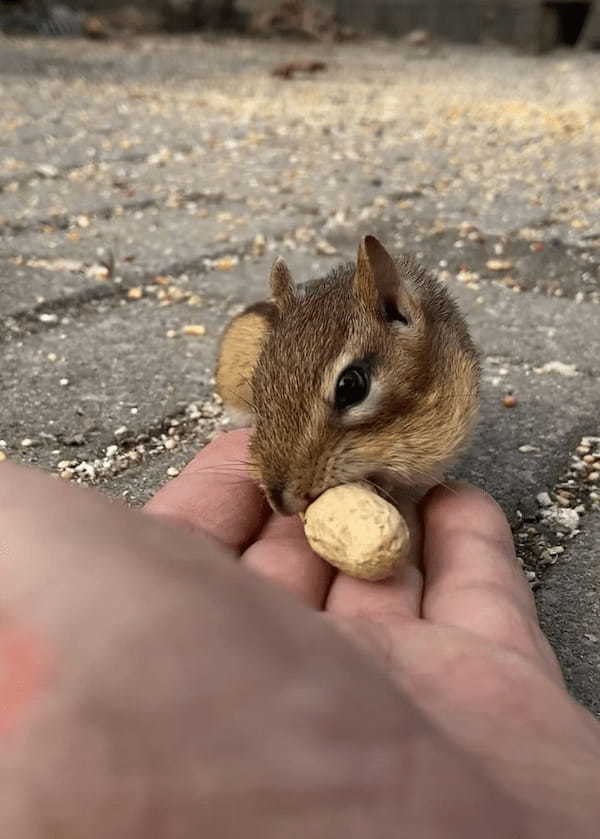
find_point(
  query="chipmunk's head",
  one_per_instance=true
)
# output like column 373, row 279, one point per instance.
column 368, row 373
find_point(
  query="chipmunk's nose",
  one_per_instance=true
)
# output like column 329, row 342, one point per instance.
column 285, row 502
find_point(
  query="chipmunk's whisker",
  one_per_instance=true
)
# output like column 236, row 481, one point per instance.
column 437, row 481
column 448, row 487
column 247, row 463
column 380, row 489
column 244, row 463
column 237, row 477
column 224, row 469
column 243, row 398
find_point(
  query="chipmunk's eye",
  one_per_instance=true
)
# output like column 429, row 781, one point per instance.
column 352, row 387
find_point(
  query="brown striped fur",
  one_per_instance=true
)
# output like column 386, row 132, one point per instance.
column 278, row 362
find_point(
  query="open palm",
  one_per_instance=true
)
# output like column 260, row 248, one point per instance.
column 459, row 636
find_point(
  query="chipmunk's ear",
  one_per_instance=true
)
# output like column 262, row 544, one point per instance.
column 283, row 289
column 378, row 283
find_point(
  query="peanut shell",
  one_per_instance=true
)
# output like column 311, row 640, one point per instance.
column 357, row 531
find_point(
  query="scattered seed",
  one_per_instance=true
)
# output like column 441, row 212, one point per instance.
column 467, row 277
column 47, row 170
column 543, row 499
column 226, row 263
column 325, row 247
column 499, row 264
column 558, row 367
column 259, row 245
column 564, row 517
column 195, row 329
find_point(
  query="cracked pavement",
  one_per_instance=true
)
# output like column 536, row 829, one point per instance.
column 146, row 186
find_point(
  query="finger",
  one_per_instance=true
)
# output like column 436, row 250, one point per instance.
column 215, row 493
column 472, row 577
column 375, row 616
column 282, row 554
column 391, row 602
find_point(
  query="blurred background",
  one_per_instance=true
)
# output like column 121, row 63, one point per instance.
column 155, row 158
column 531, row 24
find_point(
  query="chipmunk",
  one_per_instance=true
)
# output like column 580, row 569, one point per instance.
column 367, row 374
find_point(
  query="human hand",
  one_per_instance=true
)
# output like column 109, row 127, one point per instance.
column 152, row 685
column 459, row 637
